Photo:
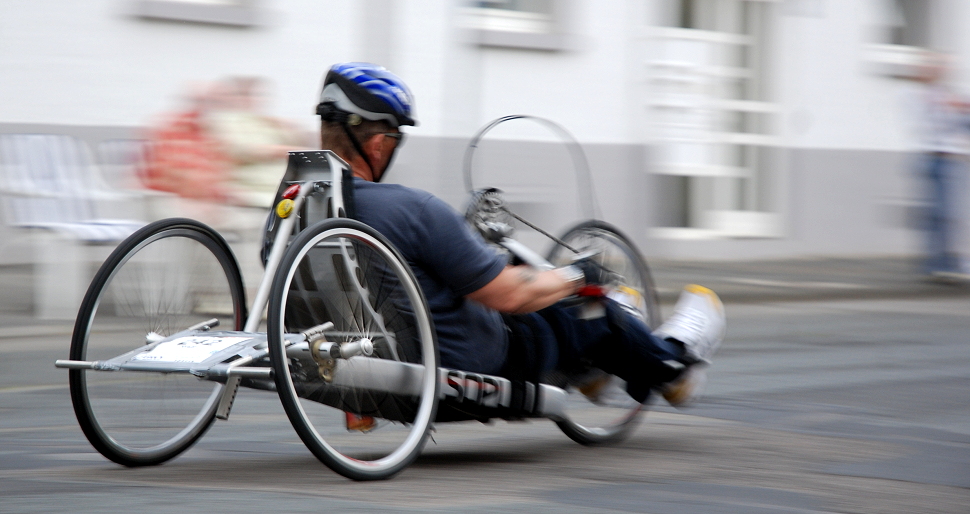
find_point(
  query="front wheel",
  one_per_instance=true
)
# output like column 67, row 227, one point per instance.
column 164, row 278
column 599, row 409
column 367, row 417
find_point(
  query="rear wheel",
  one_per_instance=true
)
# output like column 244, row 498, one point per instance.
column 368, row 416
column 164, row 278
column 599, row 408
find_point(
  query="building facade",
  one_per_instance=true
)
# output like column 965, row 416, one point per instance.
column 712, row 129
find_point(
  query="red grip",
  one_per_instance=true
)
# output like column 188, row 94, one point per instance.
column 594, row 291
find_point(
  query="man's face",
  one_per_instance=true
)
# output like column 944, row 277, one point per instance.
column 388, row 145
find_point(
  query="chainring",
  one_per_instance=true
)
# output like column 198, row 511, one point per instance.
column 487, row 209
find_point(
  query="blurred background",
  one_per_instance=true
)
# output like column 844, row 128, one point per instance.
column 806, row 159
column 714, row 130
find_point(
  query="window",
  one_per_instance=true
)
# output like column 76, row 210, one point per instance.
column 713, row 119
column 901, row 30
column 527, row 24
column 908, row 23
column 239, row 13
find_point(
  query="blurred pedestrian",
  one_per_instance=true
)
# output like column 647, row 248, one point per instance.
column 256, row 147
column 945, row 127
column 255, row 143
column 223, row 158
column 181, row 157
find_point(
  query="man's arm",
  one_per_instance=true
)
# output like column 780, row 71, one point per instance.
column 521, row 289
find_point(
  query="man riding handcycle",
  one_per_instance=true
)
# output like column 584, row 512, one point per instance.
column 385, row 313
column 512, row 320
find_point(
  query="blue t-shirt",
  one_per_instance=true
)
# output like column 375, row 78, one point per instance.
column 449, row 260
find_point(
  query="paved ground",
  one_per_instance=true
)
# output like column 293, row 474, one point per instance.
column 734, row 281
column 823, row 399
column 806, row 279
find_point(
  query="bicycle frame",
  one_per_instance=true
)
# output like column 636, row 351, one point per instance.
column 283, row 234
column 487, row 391
column 347, row 362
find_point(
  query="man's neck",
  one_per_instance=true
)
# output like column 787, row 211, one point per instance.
column 360, row 169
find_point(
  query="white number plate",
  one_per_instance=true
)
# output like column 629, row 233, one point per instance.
column 194, row 349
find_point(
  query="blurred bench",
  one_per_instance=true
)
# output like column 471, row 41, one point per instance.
column 52, row 189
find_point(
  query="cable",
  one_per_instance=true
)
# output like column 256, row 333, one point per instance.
column 580, row 163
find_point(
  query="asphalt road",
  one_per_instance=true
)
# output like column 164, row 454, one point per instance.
column 831, row 406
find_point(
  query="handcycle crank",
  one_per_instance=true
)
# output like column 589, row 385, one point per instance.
column 326, row 353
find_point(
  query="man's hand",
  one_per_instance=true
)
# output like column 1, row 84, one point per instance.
column 593, row 272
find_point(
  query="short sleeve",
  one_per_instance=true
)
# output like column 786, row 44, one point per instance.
column 460, row 257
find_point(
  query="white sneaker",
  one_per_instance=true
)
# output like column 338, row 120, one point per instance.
column 630, row 300
column 697, row 322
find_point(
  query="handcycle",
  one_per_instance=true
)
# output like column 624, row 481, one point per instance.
column 349, row 346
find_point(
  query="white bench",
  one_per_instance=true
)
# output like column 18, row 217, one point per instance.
column 51, row 188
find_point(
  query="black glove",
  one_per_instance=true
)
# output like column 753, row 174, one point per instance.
column 593, row 272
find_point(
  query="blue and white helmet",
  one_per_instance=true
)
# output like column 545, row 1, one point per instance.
column 367, row 90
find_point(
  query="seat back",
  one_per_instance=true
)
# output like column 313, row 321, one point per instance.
column 333, row 197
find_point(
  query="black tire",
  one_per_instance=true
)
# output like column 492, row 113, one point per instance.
column 614, row 414
column 344, row 272
column 164, row 278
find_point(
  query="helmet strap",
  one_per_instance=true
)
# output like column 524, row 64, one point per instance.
column 329, row 112
column 360, row 150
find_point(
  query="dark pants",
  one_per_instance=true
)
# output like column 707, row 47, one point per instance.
column 556, row 338
column 940, row 170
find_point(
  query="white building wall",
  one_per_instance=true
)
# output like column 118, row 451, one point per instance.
column 68, row 62
column 584, row 89
column 87, row 63
column 830, row 98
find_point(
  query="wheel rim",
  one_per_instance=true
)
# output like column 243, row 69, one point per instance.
column 598, row 406
column 163, row 281
column 349, row 276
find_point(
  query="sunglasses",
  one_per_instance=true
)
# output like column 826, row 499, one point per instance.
column 396, row 135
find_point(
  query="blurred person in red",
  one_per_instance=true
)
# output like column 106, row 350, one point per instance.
column 221, row 148
column 181, row 157
column 223, row 158
column 944, row 123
